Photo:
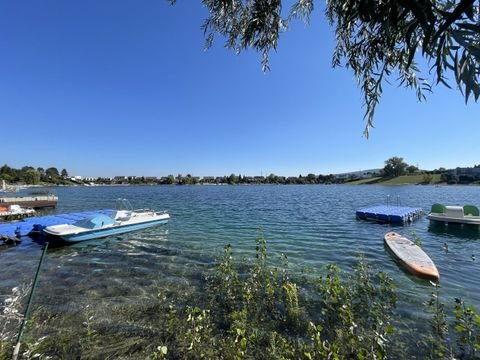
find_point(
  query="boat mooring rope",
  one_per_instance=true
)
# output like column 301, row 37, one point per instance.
column 16, row 351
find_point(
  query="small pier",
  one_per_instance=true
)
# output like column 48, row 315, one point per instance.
column 13, row 231
column 34, row 202
column 389, row 214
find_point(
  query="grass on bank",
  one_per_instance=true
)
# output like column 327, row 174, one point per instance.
column 415, row 179
column 373, row 180
column 412, row 179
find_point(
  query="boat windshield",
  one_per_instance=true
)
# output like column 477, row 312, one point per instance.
column 124, row 204
column 96, row 222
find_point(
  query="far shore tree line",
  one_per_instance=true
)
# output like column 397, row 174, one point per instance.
column 34, row 176
column 394, row 167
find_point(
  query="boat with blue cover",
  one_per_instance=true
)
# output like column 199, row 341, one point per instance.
column 34, row 226
column 103, row 225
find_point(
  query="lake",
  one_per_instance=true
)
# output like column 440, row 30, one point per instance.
column 312, row 224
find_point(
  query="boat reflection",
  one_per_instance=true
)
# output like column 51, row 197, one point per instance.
column 455, row 230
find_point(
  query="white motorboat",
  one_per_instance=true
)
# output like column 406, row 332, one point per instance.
column 15, row 211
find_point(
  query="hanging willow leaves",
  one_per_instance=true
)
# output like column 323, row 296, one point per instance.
column 377, row 40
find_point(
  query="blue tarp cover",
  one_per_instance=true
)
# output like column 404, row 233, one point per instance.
column 27, row 225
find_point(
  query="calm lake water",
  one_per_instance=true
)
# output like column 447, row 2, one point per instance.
column 313, row 225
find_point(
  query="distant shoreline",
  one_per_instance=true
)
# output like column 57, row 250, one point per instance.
column 416, row 179
column 251, row 184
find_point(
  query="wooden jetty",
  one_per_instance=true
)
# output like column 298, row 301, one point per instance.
column 34, row 202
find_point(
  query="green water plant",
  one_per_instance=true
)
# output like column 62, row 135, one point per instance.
column 457, row 338
column 467, row 327
column 10, row 318
column 437, row 341
column 356, row 313
column 256, row 310
column 416, row 238
column 90, row 332
column 254, row 305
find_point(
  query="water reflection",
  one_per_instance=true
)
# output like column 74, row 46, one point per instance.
column 455, row 230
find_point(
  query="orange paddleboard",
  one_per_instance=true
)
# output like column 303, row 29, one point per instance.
column 411, row 256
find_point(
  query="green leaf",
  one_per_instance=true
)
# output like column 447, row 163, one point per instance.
column 459, row 38
column 411, row 54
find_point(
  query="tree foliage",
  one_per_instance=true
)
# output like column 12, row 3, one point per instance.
column 378, row 40
column 52, row 172
column 30, row 175
column 412, row 169
column 394, row 166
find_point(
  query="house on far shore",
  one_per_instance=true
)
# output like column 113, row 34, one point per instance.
column 361, row 174
column 475, row 171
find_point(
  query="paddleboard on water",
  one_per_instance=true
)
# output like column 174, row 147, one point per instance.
column 411, row 256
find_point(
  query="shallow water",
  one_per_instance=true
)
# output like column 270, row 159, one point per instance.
column 313, row 225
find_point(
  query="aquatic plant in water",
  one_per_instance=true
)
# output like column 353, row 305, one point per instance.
column 10, row 318
column 257, row 311
column 251, row 309
column 467, row 326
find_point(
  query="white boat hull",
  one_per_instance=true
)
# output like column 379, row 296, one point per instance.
column 470, row 220
column 73, row 233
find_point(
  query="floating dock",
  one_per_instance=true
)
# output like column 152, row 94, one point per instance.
column 15, row 230
column 389, row 214
column 34, row 202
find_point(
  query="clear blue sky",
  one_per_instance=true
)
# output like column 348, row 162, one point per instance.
column 106, row 88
